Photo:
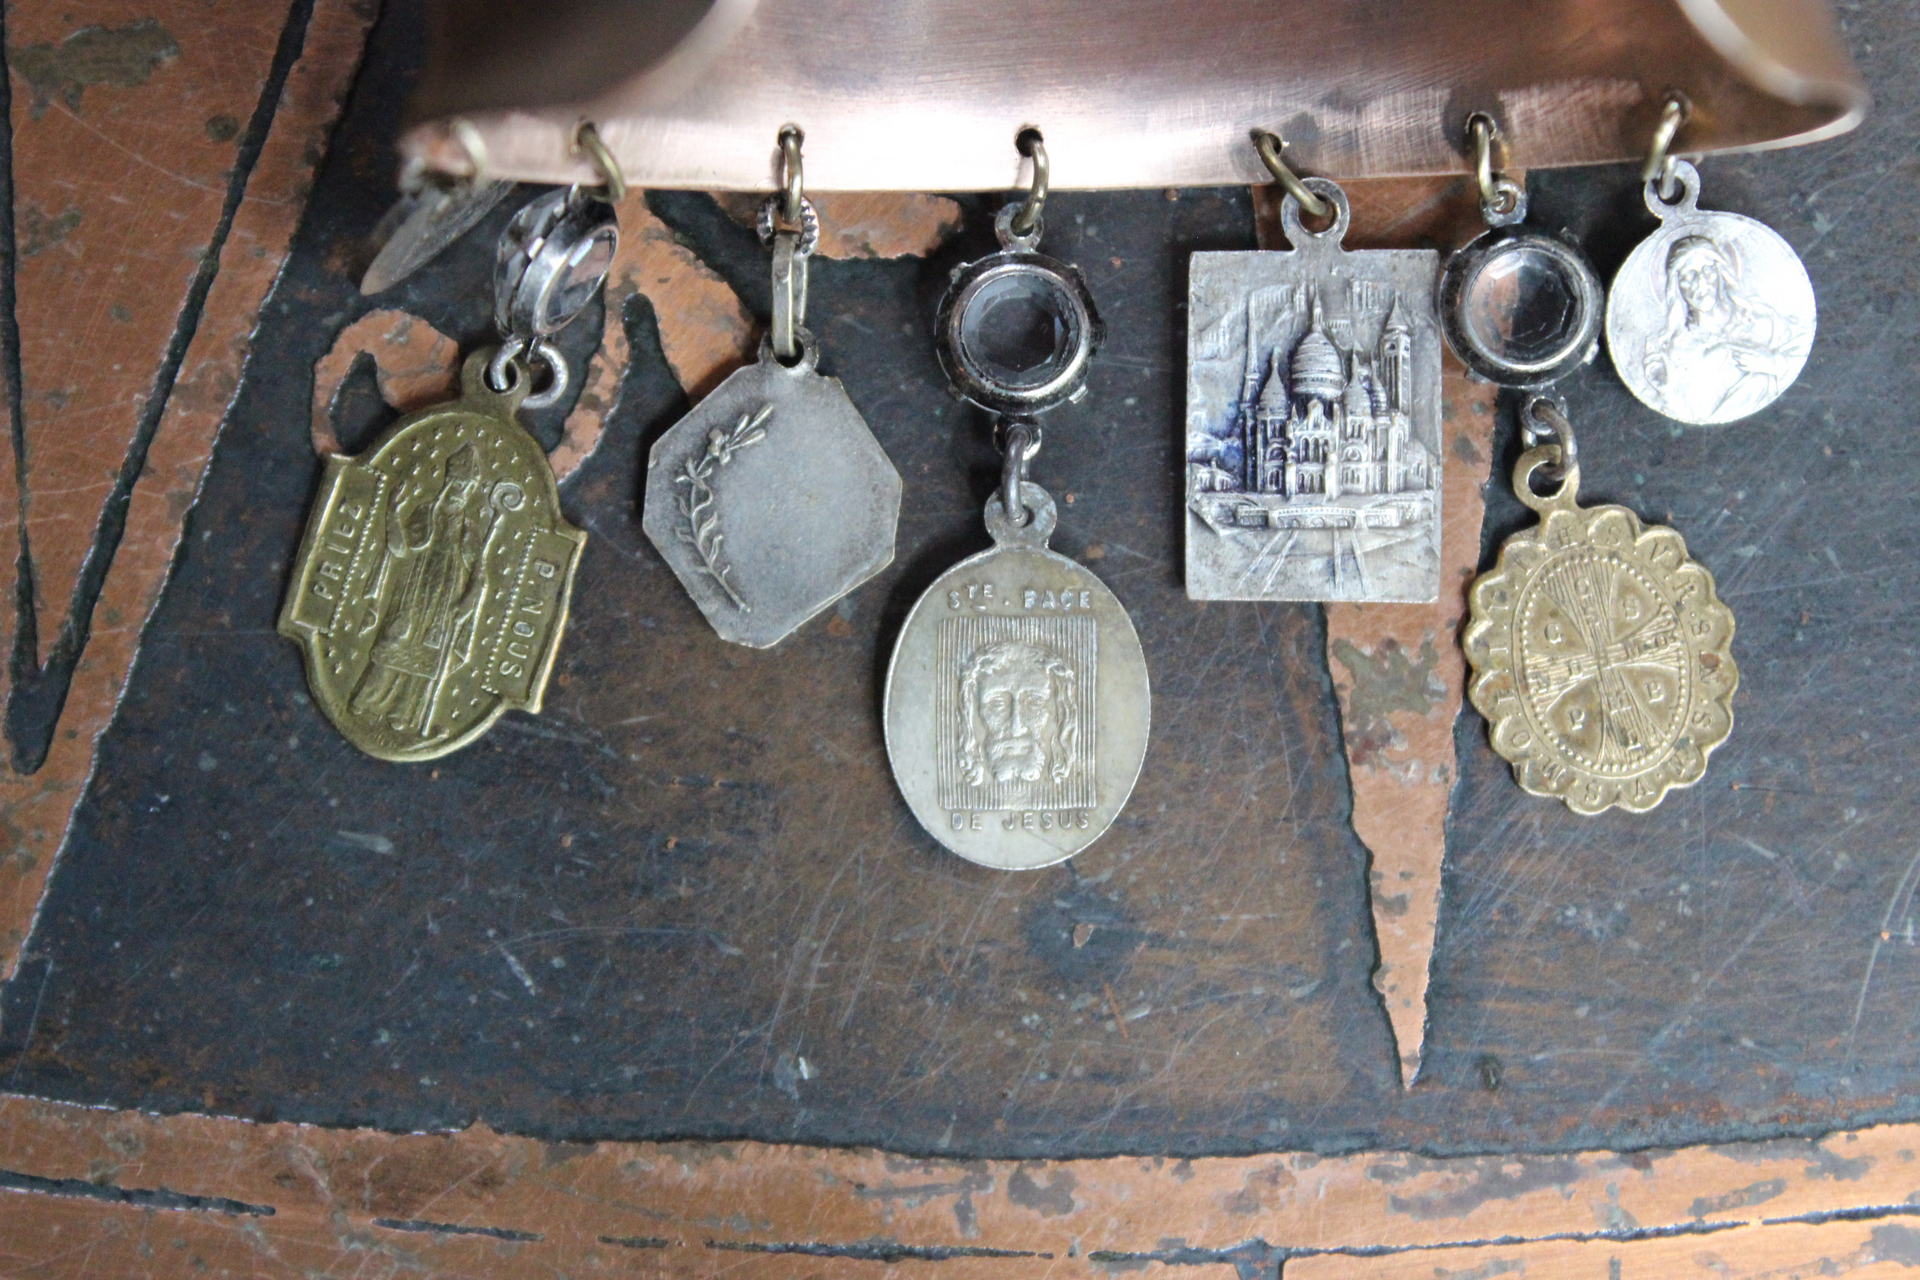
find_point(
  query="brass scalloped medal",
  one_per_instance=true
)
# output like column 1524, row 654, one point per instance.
column 1600, row 653
column 432, row 586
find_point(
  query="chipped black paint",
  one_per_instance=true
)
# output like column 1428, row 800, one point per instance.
column 620, row 918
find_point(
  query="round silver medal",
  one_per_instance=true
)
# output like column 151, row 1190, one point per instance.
column 1711, row 317
column 1017, row 702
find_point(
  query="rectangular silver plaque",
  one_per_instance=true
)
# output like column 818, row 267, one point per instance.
column 1313, row 423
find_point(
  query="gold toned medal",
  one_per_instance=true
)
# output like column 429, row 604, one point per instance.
column 1600, row 651
column 432, row 587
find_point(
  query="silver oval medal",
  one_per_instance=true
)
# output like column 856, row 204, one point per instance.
column 1711, row 317
column 1017, row 702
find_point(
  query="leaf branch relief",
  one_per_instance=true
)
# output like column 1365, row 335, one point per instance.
column 703, row 532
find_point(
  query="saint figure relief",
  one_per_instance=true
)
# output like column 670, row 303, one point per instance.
column 1724, row 352
column 1019, row 717
column 428, row 616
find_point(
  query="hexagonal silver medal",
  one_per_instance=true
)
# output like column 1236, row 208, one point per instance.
column 771, row 500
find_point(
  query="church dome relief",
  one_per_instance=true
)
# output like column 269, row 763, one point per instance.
column 1317, row 374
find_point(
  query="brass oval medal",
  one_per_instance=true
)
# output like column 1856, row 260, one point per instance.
column 432, row 585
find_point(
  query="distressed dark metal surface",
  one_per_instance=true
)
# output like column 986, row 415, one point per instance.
column 687, row 901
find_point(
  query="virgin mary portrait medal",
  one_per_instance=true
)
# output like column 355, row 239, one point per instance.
column 1711, row 317
column 1017, row 702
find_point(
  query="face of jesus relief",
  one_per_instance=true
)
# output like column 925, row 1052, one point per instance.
column 1017, row 701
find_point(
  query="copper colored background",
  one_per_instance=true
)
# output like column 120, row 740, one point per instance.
column 637, row 916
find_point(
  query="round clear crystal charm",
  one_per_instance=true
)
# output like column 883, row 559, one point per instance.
column 1520, row 308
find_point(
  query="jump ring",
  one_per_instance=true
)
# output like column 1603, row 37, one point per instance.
column 503, row 363
column 468, row 135
column 587, row 138
column 1034, row 147
column 808, row 224
column 1659, row 162
column 792, row 179
column 1269, row 146
column 1495, row 196
column 1546, row 417
column 543, row 349
column 1022, row 444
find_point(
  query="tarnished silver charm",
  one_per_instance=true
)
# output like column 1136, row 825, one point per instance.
column 772, row 499
column 1711, row 317
column 1017, row 703
column 1313, row 420
column 424, row 222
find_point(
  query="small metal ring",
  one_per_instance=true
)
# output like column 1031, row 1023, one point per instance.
column 792, row 176
column 1022, row 445
column 1004, row 232
column 1659, row 162
column 808, row 359
column 587, row 138
column 543, row 349
column 1269, row 145
column 1039, row 516
column 1500, row 199
column 1545, row 420
column 1030, row 144
column 503, row 363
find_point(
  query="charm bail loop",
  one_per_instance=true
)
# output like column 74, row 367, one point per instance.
column 514, row 361
column 792, row 174
column 1552, row 451
column 587, row 138
column 1026, row 223
column 1270, row 145
column 1544, row 421
column 1022, row 446
column 1660, row 161
column 788, row 222
column 1503, row 201
column 474, row 143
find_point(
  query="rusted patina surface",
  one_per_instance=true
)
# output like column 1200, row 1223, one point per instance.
column 159, row 156
column 686, row 901
column 94, row 1193
column 1399, row 674
column 1397, row 669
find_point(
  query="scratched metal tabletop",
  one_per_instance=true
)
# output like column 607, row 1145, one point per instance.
column 688, row 901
